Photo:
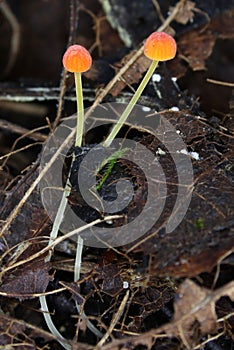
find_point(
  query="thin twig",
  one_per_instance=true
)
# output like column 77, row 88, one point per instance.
column 31, row 295
column 218, row 82
column 21, row 203
column 113, row 322
column 58, row 240
column 158, row 9
column 15, row 39
column 31, row 134
column 97, row 27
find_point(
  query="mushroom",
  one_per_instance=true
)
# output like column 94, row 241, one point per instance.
column 159, row 46
column 78, row 60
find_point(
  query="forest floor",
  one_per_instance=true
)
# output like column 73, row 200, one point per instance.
column 165, row 282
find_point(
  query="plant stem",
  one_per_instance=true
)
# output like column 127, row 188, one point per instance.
column 51, row 325
column 78, row 260
column 131, row 104
column 78, row 143
column 80, row 110
column 58, row 220
column 59, row 217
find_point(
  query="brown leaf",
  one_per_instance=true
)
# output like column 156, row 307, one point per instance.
column 29, row 280
column 14, row 331
column 133, row 74
column 195, row 305
column 185, row 13
column 9, row 329
column 195, row 314
column 32, row 220
column 190, row 302
column 112, row 282
column 205, row 234
column 196, row 47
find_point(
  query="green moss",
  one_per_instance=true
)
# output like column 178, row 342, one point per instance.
column 199, row 223
column 109, row 164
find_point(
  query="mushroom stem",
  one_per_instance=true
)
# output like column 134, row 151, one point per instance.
column 131, row 104
column 80, row 110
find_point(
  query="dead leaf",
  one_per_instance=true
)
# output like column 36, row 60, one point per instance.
column 33, row 220
column 133, row 74
column 112, row 281
column 195, row 48
column 205, row 234
column 185, row 13
column 29, row 280
column 194, row 311
column 195, row 314
column 190, row 302
column 9, row 330
column 12, row 330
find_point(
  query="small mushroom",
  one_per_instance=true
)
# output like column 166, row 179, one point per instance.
column 159, row 46
column 78, row 60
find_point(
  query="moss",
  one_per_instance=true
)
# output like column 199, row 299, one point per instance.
column 109, row 165
column 199, row 223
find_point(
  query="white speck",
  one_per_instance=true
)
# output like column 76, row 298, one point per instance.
column 193, row 155
column 178, row 132
column 109, row 222
column 174, row 79
column 145, row 109
column 156, row 78
column 174, row 109
column 160, row 152
column 125, row 284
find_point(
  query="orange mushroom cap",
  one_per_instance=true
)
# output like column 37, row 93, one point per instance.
column 77, row 59
column 160, row 46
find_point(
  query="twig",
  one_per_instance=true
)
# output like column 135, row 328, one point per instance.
column 97, row 27
column 113, row 322
column 221, row 258
column 63, row 88
column 15, row 39
column 201, row 345
column 12, row 152
column 21, row 203
column 58, row 240
column 31, row 295
column 158, row 9
column 31, row 134
column 218, row 82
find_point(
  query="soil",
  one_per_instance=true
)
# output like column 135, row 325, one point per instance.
column 160, row 288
